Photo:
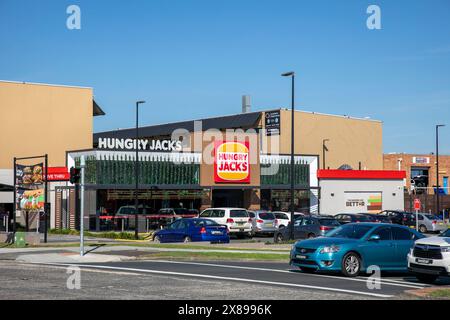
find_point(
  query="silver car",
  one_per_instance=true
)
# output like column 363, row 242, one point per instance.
column 430, row 223
column 263, row 222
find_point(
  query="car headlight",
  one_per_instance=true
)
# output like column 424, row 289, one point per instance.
column 330, row 249
column 445, row 249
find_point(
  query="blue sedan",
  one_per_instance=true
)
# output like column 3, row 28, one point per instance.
column 194, row 229
column 353, row 247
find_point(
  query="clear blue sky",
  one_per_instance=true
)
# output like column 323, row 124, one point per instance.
column 195, row 58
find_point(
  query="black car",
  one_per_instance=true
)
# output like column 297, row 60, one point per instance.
column 400, row 217
column 307, row 227
column 378, row 218
column 344, row 218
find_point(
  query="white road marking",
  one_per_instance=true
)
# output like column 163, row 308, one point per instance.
column 205, row 276
column 359, row 279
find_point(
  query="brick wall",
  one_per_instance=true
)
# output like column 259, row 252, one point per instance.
column 391, row 162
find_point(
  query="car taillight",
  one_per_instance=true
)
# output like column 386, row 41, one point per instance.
column 260, row 221
column 324, row 228
column 203, row 230
column 434, row 222
column 276, row 222
column 229, row 220
column 250, row 220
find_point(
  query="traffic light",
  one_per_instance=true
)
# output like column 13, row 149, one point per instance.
column 75, row 175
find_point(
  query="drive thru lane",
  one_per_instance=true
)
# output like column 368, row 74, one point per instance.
column 265, row 273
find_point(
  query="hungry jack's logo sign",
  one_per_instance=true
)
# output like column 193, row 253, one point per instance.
column 231, row 162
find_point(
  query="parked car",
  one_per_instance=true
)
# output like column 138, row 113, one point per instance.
column 285, row 217
column 192, row 229
column 353, row 247
column 307, row 227
column 430, row 257
column 379, row 218
column 399, row 217
column 165, row 216
column 344, row 218
column 236, row 219
column 429, row 223
column 263, row 222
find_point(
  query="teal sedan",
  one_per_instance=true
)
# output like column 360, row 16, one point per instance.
column 353, row 247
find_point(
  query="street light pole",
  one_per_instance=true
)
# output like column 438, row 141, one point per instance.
column 324, row 149
column 437, row 167
column 292, row 175
column 136, row 172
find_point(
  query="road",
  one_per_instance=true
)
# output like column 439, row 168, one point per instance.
column 158, row 279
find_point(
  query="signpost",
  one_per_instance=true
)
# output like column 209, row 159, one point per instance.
column 82, row 165
column 417, row 206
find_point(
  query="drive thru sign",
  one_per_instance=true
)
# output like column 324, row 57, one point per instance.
column 417, row 204
column 417, row 208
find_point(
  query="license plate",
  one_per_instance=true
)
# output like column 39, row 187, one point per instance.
column 242, row 230
column 269, row 224
column 424, row 261
column 412, row 227
column 441, row 224
column 240, row 222
column 216, row 232
column 301, row 257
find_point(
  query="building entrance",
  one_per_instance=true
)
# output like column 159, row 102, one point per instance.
column 228, row 198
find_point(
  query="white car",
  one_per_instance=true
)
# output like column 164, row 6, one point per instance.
column 284, row 218
column 430, row 257
column 236, row 219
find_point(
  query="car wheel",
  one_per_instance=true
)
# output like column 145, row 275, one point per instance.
column 282, row 227
column 422, row 228
column 187, row 239
column 307, row 270
column 279, row 238
column 426, row 278
column 351, row 265
column 156, row 239
column 311, row 235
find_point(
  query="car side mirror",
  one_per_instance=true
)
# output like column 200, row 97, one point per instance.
column 374, row 237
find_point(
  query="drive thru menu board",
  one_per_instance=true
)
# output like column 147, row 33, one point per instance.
column 272, row 123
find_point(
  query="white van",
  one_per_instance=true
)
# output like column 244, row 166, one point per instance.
column 236, row 219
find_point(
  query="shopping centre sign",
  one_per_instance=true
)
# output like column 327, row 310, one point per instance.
column 144, row 144
column 231, row 162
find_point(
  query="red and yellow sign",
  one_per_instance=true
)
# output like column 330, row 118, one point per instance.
column 231, row 162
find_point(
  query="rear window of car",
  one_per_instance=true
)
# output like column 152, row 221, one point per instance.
column 238, row 213
column 329, row 222
column 181, row 211
column 267, row 216
column 361, row 218
column 431, row 217
column 204, row 222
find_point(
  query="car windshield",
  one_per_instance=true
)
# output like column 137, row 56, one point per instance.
column 267, row 216
column 181, row 211
column 204, row 222
column 446, row 233
column 329, row 222
column 238, row 214
column 350, row 231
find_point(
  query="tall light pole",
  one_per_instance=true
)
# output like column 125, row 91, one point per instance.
column 324, row 149
column 437, row 166
column 292, row 75
column 136, row 172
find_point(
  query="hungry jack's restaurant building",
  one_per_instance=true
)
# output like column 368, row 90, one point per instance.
column 241, row 160
column 188, row 164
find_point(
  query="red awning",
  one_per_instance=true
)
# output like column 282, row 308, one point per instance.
column 361, row 174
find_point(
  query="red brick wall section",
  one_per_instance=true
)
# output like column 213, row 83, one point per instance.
column 390, row 162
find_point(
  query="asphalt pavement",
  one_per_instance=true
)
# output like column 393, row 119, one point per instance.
column 269, row 276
